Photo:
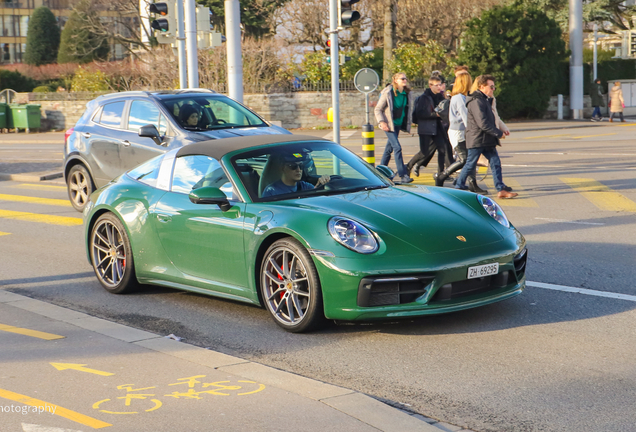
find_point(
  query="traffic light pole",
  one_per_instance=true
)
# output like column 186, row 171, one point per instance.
column 181, row 45
column 335, row 67
column 191, row 43
column 233, row 41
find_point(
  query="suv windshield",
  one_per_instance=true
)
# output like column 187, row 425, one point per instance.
column 209, row 112
column 304, row 169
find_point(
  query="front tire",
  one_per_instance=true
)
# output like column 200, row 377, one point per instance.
column 290, row 287
column 80, row 186
column 111, row 255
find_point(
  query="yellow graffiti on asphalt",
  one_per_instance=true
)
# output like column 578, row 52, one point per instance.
column 196, row 389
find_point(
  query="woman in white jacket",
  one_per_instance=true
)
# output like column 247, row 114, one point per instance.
column 456, row 133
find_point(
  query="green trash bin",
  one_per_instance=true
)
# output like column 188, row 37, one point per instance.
column 25, row 117
column 3, row 116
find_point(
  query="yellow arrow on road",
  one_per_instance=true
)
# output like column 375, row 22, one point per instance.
column 79, row 367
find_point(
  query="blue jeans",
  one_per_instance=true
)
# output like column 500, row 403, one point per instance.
column 471, row 163
column 393, row 145
column 597, row 112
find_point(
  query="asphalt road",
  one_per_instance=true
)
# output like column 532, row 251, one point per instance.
column 548, row 360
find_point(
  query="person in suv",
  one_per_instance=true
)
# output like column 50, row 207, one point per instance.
column 122, row 130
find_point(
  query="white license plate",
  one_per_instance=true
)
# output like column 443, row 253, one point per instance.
column 483, row 270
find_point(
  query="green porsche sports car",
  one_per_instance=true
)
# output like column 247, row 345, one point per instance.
column 304, row 227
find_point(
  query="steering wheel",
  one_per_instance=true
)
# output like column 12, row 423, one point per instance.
column 333, row 178
column 219, row 121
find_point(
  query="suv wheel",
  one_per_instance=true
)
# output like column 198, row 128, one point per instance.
column 80, row 186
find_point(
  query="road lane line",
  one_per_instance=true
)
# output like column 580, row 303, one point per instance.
column 29, row 332
column 40, row 187
column 590, row 136
column 582, row 291
column 42, row 218
column 35, row 200
column 62, row 412
column 600, row 195
column 4, row 233
column 569, row 221
column 547, row 136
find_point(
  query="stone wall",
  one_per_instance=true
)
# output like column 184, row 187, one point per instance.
column 292, row 110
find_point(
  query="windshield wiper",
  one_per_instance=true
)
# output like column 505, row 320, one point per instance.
column 193, row 128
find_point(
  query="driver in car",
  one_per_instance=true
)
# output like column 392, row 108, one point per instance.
column 290, row 181
column 189, row 116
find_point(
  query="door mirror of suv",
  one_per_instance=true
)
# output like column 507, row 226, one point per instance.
column 150, row 131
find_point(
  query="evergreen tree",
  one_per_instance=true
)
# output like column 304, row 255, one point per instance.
column 78, row 44
column 43, row 38
column 522, row 48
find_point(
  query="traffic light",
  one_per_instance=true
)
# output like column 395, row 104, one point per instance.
column 343, row 59
column 328, row 48
column 345, row 14
column 165, row 24
column 203, row 26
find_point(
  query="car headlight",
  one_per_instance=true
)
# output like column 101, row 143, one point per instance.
column 352, row 235
column 494, row 210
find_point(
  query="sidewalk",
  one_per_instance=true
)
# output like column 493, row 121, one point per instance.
column 68, row 370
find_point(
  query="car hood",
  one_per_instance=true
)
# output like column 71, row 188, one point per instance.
column 416, row 218
column 232, row 133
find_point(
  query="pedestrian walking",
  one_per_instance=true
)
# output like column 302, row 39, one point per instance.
column 482, row 135
column 393, row 113
column 458, row 116
column 616, row 101
column 429, row 128
column 596, row 94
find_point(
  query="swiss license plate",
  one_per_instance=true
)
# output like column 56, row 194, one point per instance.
column 483, row 270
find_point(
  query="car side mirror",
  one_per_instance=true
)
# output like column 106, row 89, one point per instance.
column 210, row 195
column 385, row 171
column 150, row 131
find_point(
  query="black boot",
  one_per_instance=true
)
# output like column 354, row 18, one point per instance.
column 473, row 187
column 439, row 178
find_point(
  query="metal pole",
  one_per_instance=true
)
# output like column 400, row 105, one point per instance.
column 233, row 41
column 335, row 70
column 576, row 59
column 191, row 43
column 560, row 107
column 595, row 55
column 181, row 45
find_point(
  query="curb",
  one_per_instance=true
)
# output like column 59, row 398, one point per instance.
column 362, row 407
column 31, row 177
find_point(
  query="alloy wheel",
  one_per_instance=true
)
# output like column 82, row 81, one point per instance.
column 108, row 254
column 79, row 187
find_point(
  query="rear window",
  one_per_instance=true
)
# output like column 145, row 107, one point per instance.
column 111, row 114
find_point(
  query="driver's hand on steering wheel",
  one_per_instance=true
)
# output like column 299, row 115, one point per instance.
column 323, row 180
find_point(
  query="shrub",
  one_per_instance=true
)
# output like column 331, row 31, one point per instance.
column 417, row 61
column 78, row 44
column 43, row 38
column 42, row 89
column 15, row 81
column 522, row 48
column 90, row 81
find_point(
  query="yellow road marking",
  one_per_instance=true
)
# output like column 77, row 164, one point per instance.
column 424, row 179
column 518, row 201
column 34, row 217
column 600, row 195
column 631, row 124
column 40, row 187
column 79, row 367
column 590, row 136
column 35, row 200
column 29, row 332
column 58, row 410
column 4, row 233
column 547, row 136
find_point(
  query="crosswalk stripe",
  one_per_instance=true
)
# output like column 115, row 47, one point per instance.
column 35, row 200
column 47, row 219
column 600, row 195
column 518, row 201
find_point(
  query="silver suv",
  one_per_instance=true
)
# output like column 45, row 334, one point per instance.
column 121, row 130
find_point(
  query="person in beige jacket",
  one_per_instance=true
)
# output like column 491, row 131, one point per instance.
column 616, row 101
column 394, row 112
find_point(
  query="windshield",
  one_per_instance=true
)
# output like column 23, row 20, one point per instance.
column 304, row 169
column 209, row 112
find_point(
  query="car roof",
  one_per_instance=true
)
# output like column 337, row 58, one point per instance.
column 220, row 147
column 161, row 94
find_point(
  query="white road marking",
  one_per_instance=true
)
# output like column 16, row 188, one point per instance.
column 582, row 291
column 570, row 221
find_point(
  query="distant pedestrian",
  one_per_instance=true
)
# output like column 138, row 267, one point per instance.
column 457, row 130
column 616, row 101
column 429, row 128
column 393, row 113
column 482, row 135
column 596, row 94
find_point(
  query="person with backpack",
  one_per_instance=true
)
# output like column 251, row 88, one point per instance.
column 393, row 113
column 426, row 115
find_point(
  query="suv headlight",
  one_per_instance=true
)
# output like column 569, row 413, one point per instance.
column 494, row 210
column 352, row 235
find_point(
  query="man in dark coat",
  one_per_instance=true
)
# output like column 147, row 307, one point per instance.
column 596, row 94
column 482, row 135
column 429, row 127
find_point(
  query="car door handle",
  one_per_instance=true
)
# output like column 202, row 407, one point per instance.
column 125, row 142
column 163, row 217
column 86, row 134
